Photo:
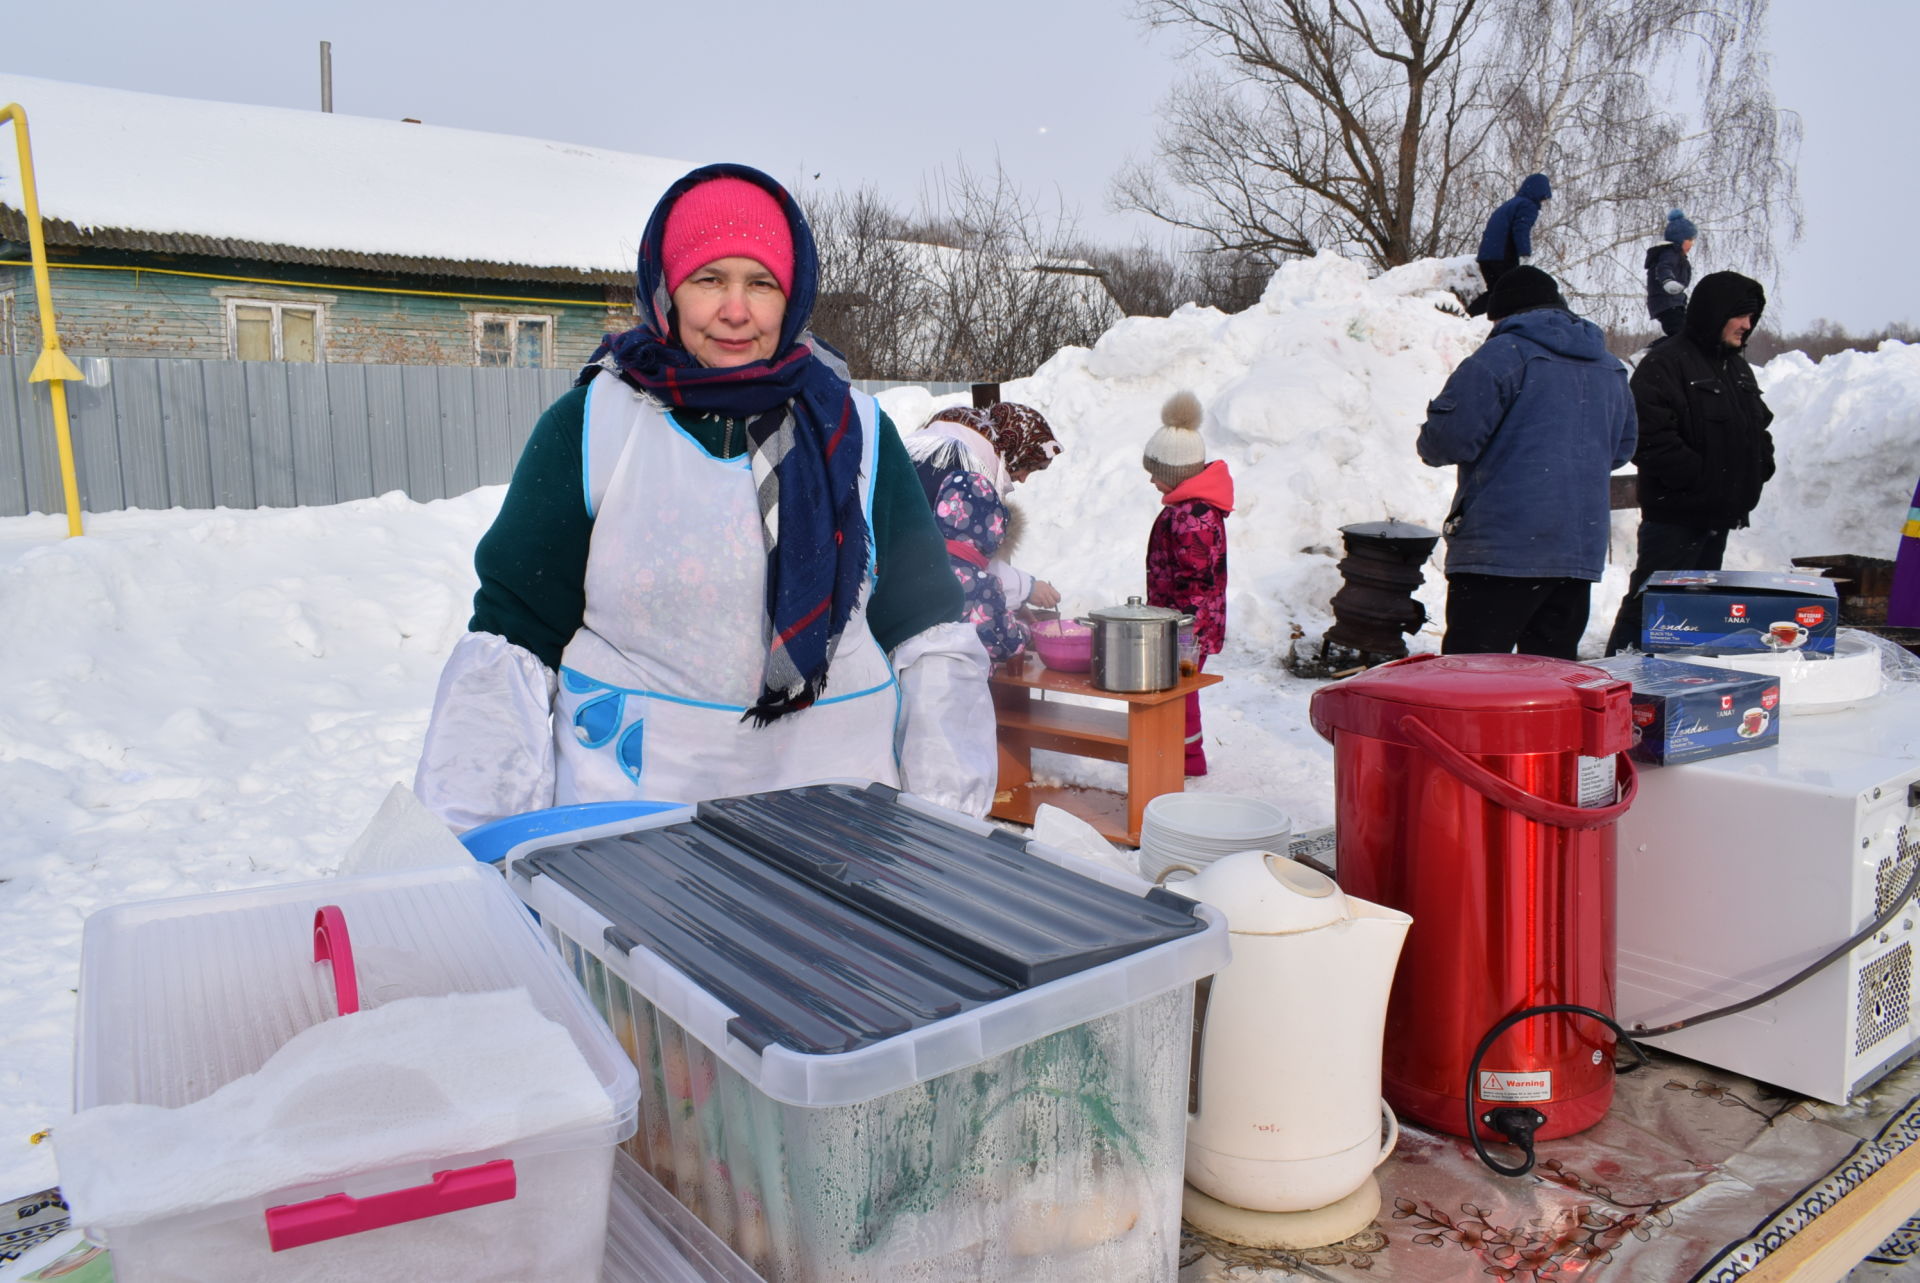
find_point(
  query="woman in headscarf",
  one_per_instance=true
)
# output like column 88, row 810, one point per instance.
column 968, row 460
column 714, row 571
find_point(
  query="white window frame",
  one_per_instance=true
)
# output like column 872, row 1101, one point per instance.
column 278, row 304
column 549, row 322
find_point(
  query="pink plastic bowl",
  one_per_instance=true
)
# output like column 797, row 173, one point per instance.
column 1064, row 645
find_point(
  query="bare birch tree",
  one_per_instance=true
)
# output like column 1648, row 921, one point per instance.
column 1388, row 129
column 872, row 290
column 1587, row 91
column 1013, row 294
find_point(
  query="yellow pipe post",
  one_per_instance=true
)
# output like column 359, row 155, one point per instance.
column 53, row 368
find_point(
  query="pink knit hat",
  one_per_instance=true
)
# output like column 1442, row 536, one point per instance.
column 721, row 219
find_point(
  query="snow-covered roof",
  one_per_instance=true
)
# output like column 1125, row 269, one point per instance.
column 145, row 171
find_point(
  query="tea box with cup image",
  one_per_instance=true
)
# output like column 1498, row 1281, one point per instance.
column 1686, row 712
column 1738, row 610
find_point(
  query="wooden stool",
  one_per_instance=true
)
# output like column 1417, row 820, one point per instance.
column 1148, row 734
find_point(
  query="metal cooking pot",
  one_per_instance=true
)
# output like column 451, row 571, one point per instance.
column 1136, row 647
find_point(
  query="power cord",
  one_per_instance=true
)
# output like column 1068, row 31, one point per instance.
column 1519, row 1125
column 1827, row 959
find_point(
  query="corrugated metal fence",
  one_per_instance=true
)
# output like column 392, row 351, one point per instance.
column 243, row 434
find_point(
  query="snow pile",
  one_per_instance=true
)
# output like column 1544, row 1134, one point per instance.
column 1847, row 440
column 319, row 180
column 1313, row 396
column 195, row 701
column 192, row 701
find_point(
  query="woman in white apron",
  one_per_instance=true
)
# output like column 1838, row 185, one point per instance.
column 714, row 571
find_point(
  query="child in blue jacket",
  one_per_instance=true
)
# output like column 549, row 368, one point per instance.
column 1669, row 273
column 1508, row 240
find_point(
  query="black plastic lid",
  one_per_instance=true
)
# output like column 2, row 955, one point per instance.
column 831, row 917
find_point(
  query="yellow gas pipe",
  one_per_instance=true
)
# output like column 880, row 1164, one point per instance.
column 53, row 368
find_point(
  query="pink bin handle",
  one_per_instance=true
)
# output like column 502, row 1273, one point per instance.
column 331, row 944
column 1515, row 798
column 338, row 1215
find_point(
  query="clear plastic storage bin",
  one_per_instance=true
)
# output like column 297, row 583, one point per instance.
column 652, row 1238
column 880, row 1041
column 180, row 998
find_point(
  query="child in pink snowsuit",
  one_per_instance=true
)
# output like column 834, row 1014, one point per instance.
column 1187, row 551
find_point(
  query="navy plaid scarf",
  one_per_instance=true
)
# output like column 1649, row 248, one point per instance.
column 805, row 436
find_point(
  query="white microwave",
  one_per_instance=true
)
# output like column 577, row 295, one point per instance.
column 1738, row 871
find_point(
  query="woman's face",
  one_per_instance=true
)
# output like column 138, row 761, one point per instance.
column 730, row 312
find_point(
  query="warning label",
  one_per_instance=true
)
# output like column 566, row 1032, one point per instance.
column 1597, row 785
column 1532, row 1085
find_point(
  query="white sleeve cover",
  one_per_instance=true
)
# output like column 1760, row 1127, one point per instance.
column 489, row 747
column 945, row 739
column 1016, row 583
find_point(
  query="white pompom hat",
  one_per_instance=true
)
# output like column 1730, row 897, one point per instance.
column 1176, row 451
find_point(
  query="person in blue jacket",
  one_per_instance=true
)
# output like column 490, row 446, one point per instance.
column 1668, row 273
column 1535, row 420
column 1508, row 240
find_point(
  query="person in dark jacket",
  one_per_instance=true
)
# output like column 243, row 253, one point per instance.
column 1669, row 271
column 1535, row 420
column 1704, row 450
column 1509, row 236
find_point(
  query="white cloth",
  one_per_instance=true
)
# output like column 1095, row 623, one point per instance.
column 1055, row 827
column 945, row 737
column 1016, row 583
column 415, row 1080
column 986, row 461
column 489, row 746
column 672, row 649
column 403, row 834
column 947, row 747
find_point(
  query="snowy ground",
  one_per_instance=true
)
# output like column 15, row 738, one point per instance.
column 193, row 701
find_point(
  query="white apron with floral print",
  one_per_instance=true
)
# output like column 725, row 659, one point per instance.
column 671, row 651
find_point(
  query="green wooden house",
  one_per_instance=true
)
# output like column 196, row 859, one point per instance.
column 182, row 228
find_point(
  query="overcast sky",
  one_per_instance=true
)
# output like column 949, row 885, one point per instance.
column 1059, row 92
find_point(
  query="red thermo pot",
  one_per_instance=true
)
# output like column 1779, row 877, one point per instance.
column 1479, row 793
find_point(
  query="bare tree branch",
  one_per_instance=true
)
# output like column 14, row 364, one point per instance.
column 985, row 284
column 1387, row 129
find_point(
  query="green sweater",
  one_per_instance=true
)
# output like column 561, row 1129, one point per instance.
column 533, row 559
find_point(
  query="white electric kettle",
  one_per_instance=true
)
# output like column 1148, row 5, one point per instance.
column 1288, row 1113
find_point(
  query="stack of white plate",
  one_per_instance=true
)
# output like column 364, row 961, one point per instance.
column 1192, row 830
column 1814, row 683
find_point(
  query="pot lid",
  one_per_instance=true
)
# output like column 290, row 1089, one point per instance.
column 1136, row 611
column 1266, row 894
